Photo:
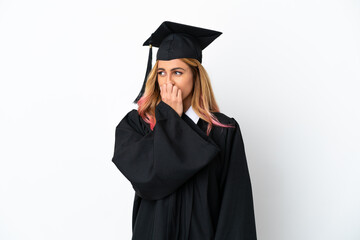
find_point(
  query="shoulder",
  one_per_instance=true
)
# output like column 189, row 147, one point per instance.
column 132, row 120
column 133, row 115
column 130, row 117
column 231, row 132
column 226, row 119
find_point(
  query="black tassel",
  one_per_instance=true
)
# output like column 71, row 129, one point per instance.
column 148, row 69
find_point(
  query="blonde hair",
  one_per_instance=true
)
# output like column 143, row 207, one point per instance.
column 203, row 100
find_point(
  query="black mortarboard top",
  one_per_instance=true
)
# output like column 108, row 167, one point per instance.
column 176, row 40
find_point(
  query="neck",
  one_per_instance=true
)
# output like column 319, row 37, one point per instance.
column 186, row 103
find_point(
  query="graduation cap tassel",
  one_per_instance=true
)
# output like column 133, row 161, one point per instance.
column 148, row 69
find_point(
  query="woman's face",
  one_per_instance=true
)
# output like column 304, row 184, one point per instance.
column 178, row 73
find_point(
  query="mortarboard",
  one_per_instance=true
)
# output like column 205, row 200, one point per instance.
column 176, row 40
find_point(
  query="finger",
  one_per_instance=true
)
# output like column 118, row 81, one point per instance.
column 164, row 89
column 174, row 91
column 179, row 95
column 169, row 88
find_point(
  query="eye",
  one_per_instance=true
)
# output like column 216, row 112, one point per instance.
column 159, row 73
column 178, row 72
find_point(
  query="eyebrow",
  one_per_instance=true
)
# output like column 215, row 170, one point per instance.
column 172, row 69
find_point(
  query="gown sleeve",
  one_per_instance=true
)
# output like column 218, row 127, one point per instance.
column 158, row 162
column 236, row 217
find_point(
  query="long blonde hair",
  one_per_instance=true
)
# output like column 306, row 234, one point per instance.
column 203, row 100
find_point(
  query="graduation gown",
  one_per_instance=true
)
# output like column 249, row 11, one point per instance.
column 188, row 186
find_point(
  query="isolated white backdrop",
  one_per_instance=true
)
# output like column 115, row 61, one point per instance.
column 288, row 71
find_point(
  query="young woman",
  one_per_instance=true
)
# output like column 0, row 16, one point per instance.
column 185, row 160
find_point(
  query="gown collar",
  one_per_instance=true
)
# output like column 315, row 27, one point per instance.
column 191, row 114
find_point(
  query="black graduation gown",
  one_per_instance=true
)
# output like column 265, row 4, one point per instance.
column 188, row 186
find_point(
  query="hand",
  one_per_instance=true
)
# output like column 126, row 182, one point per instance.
column 172, row 96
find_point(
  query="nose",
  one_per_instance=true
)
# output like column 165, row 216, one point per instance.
column 169, row 79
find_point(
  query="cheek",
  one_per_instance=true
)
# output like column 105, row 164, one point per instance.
column 160, row 82
column 186, row 85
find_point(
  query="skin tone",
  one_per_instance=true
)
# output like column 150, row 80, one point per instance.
column 175, row 80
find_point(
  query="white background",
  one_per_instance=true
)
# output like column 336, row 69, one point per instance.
column 288, row 71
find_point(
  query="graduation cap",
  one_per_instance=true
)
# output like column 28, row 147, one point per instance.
column 176, row 40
